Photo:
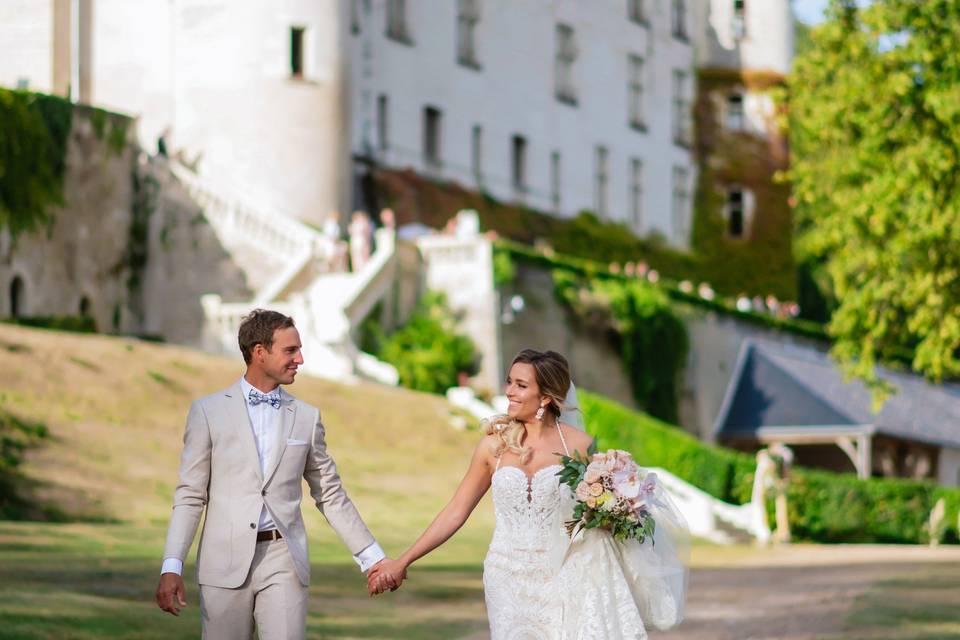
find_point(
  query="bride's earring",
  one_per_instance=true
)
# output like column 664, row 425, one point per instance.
column 540, row 413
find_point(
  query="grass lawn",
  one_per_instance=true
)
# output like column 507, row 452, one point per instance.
column 922, row 605
column 91, row 581
column 115, row 410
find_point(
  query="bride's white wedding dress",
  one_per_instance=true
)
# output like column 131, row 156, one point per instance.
column 539, row 585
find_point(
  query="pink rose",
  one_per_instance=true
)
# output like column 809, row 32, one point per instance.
column 596, row 489
column 592, row 475
column 592, row 502
column 583, row 491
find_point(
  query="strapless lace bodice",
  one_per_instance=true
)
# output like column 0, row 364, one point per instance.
column 525, row 508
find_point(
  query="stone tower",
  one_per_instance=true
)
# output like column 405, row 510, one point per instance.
column 744, row 52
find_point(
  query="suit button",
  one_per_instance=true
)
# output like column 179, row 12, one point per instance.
column 253, row 526
column 264, row 492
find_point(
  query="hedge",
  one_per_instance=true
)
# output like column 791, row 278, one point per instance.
column 823, row 506
column 594, row 269
column 77, row 324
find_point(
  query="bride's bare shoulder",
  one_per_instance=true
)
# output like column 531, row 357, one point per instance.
column 576, row 439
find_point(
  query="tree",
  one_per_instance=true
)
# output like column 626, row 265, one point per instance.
column 874, row 118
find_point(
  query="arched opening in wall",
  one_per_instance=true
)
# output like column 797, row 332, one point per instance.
column 84, row 306
column 17, row 297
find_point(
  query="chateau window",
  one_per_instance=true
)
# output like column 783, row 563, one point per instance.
column 555, row 180
column 739, row 24
column 518, row 162
column 681, row 200
column 681, row 109
column 468, row 15
column 383, row 122
column 397, row 21
column 565, row 58
column 734, row 119
column 296, row 51
column 354, row 17
column 476, row 152
column 635, row 92
column 431, row 137
column 736, row 213
column 601, row 180
column 678, row 19
column 635, row 11
column 636, row 194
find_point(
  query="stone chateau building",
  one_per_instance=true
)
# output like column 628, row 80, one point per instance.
column 553, row 104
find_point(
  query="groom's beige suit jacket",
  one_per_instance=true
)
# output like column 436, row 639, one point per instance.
column 220, row 471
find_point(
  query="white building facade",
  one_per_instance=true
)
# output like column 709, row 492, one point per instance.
column 561, row 106
column 555, row 104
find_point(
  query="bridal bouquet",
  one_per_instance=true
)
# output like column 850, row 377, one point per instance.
column 612, row 493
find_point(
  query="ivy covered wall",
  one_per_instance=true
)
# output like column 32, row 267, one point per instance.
column 34, row 132
column 761, row 261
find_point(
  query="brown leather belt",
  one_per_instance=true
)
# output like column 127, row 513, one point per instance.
column 266, row 536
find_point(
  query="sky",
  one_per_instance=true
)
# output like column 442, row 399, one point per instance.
column 809, row 11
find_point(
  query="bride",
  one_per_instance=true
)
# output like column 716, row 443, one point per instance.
column 538, row 584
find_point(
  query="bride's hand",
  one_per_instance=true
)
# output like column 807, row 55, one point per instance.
column 386, row 574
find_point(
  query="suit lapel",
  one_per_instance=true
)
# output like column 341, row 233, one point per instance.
column 288, row 413
column 238, row 415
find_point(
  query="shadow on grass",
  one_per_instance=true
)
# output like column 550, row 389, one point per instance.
column 87, row 582
column 16, row 437
column 924, row 605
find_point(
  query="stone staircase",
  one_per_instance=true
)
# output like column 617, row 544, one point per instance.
column 288, row 266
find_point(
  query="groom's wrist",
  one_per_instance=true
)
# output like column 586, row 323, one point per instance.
column 369, row 557
column 172, row 565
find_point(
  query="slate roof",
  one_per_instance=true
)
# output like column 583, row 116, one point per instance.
column 777, row 385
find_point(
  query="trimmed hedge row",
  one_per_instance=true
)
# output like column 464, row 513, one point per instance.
column 76, row 324
column 723, row 473
column 594, row 269
column 823, row 506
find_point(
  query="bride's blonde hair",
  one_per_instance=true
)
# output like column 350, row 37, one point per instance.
column 553, row 378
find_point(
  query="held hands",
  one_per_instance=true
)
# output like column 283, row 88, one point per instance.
column 386, row 574
column 171, row 594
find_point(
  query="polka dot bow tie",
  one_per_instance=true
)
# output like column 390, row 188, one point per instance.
column 255, row 398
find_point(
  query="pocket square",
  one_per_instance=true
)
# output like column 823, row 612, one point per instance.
column 296, row 442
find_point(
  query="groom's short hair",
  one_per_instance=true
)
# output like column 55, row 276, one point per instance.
column 257, row 327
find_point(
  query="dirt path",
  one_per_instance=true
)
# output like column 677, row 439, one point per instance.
column 794, row 593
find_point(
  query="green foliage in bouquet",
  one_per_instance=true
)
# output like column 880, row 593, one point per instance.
column 427, row 351
column 585, row 517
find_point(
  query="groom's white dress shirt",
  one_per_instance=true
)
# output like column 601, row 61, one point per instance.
column 263, row 420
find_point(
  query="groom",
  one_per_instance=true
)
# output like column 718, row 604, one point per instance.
column 245, row 450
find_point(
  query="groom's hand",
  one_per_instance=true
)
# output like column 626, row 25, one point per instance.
column 171, row 594
column 386, row 574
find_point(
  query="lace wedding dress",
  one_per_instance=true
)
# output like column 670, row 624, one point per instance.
column 539, row 585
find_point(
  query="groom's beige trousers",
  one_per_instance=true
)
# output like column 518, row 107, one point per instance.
column 272, row 598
